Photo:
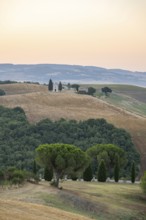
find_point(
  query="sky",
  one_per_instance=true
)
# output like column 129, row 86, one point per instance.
column 103, row 33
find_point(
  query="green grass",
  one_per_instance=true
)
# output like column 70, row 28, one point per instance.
column 100, row 201
column 125, row 102
column 135, row 92
column 127, row 97
column 66, row 201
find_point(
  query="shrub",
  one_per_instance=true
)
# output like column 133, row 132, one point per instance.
column 19, row 175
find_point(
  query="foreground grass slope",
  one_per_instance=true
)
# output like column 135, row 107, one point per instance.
column 77, row 201
column 38, row 104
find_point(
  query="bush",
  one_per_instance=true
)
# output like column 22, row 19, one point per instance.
column 143, row 182
column 18, row 175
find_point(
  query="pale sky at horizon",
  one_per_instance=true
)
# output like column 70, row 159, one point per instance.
column 105, row 33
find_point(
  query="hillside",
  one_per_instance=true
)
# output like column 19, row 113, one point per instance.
column 77, row 201
column 38, row 104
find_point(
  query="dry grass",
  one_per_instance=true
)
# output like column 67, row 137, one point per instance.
column 25, row 204
column 38, row 104
column 12, row 210
column 21, row 88
column 98, row 200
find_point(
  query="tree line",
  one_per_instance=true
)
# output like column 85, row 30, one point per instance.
column 19, row 139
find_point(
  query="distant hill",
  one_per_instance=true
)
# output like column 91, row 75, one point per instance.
column 70, row 73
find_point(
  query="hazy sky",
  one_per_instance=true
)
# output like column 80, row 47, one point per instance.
column 106, row 33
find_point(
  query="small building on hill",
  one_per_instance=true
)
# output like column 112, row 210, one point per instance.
column 55, row 87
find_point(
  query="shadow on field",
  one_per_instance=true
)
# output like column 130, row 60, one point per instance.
column 82, row 204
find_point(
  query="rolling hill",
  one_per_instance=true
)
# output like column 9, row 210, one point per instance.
column 38, row 104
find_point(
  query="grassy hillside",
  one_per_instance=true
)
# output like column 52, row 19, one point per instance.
column 77, row 201
column 138, row 93
column 38, row 104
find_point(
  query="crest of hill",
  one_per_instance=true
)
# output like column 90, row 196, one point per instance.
column 22, row 88
column 38, row 103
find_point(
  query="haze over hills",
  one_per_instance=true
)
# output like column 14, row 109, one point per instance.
column 70, row 73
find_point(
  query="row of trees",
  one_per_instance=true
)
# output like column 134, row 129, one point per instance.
column 64, row 159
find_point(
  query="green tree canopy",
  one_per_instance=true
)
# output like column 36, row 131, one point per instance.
column 106, row 90
column 108, row 153
column 63, row 158
column 91, row 90
column 19, row 138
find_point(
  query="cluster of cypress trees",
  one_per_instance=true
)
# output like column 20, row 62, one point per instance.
column 101, row 176
column 50, row 85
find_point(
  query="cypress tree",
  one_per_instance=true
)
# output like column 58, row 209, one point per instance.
column 60, row 86
column 133, row 173
column 102, row 171
column 87, row 175
column 50, row 85
column 116, row 170
column 48, row 174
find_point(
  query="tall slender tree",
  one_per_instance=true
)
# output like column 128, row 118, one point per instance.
column 87, row 175
column 60, row 86
column 102, row 172
column 50, row 85
column 133, row 173
column 34, row 167
column 116, row 169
